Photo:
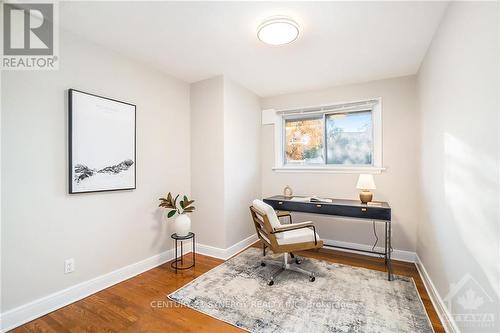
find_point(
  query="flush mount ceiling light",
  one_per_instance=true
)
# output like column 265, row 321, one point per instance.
column 278, row 30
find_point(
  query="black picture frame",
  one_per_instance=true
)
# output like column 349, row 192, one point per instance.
column 71, row 188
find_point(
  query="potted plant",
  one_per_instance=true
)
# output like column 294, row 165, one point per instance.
column 182, row 222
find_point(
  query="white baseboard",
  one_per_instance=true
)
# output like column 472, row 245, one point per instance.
column 401, row 255
column 225, row 254
column 37, row 308
column 44, row 305
column 446, row 318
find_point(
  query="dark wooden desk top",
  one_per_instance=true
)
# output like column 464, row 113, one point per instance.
column 348, row 208
column 343, row 202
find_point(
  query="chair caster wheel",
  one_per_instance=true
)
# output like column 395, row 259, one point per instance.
column 312, row 278
column 270, row 283
column 263, row 264
column 298, row 261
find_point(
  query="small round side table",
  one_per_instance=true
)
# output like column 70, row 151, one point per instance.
column 175, row 263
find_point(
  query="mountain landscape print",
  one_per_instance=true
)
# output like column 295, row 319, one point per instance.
column 101, row 144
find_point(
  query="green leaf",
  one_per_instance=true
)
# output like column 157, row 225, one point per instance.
column 185, row 198
column 182, row 204
column 171, row 213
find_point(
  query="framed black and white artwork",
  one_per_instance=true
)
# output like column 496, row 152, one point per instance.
column 101, row 143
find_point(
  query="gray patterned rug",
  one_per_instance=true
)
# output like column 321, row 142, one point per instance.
column 342, row 299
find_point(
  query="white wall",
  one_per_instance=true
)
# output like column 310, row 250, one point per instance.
column 207, row 161
column 214, row 155
column 225, row 169
column 1, row 201
column 397, row 185
column 241, row 159
column 43, row 225
column 458, row 85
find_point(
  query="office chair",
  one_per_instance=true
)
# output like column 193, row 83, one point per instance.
column 284, row 239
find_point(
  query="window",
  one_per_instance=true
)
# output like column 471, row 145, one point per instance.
column 336, row 137
column 349, row 138
column 304, row 141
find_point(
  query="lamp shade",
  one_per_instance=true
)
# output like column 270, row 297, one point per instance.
column 366, row 182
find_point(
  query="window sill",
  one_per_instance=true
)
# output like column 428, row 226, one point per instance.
column 310, row 169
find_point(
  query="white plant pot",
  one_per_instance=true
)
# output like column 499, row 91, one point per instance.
column 182, row 225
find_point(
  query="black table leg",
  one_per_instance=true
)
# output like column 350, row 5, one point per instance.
column 385, row 245
column 178, row 262
column 175, row 256
column 181, row 253
column 389, row 260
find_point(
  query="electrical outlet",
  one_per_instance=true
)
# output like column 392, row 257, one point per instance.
column 69, row 265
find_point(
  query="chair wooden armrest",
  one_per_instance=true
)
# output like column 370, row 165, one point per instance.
column 294, row 226
column 282, row 213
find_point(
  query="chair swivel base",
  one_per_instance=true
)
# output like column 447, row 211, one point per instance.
column 282, row 266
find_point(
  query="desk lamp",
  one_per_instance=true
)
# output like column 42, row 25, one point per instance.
column 366, row 183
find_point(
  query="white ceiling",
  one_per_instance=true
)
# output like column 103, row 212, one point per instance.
column 340, row 42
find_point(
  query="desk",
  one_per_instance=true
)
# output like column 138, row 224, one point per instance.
column 376, row 211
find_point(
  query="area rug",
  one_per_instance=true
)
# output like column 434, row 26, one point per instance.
column 342, row 299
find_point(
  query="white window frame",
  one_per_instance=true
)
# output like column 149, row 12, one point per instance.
column 277, row 118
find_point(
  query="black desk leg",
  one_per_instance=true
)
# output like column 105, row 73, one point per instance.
column 385, row 245
column 389, row 247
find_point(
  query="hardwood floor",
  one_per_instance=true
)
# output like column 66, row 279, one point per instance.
column 140, row 304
